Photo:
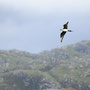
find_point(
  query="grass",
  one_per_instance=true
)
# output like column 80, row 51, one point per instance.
column 63, row 89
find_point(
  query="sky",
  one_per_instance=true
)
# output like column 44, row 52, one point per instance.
column 34, row 25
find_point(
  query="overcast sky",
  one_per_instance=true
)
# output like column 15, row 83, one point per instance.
column 34, row 25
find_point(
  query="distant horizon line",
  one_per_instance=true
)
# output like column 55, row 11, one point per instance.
column 42, row 50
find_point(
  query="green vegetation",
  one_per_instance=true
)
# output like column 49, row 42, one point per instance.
column 65, row 67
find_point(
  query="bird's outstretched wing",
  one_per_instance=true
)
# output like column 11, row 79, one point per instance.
column 62, row 35
column 65, row 26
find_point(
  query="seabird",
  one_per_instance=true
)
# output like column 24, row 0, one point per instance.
column 64, row 30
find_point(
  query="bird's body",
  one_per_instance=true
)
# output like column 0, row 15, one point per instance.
column 64, row 30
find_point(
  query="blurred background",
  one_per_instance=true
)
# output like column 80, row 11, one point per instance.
column 34, row 25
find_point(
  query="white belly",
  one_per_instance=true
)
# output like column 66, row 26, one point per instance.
column 65, row 30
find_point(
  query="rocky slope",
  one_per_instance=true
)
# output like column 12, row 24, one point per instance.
column 65, row 67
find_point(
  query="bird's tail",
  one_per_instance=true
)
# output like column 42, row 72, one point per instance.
column 60, row 29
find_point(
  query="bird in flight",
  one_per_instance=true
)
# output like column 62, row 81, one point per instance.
column 64, row 30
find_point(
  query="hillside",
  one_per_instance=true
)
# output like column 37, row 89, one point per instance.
column 65, row 67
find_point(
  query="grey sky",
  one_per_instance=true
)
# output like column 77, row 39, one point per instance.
column 33, row 25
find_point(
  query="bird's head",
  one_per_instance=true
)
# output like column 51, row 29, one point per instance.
column 70, row 30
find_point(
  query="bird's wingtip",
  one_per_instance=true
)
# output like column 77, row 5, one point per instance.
column 61, row 39
column 67, row 22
